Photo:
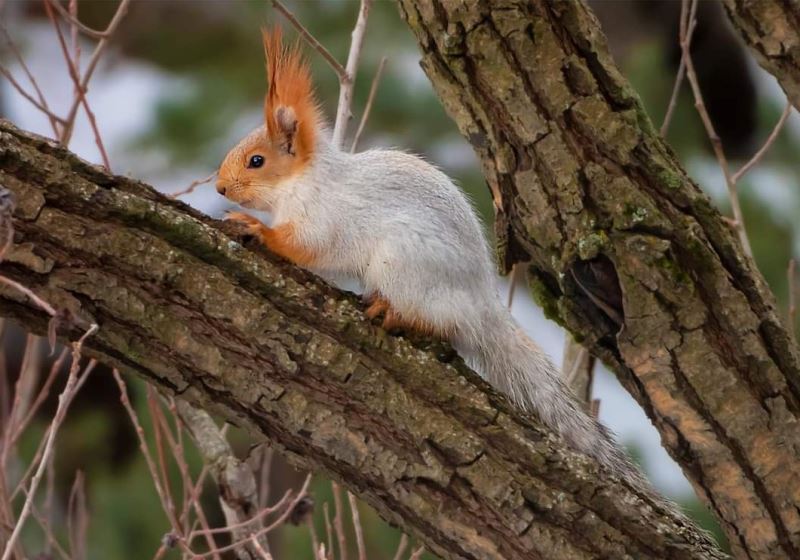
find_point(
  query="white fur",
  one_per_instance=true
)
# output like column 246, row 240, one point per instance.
column 407, row 232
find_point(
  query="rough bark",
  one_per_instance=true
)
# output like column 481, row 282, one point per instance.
column 771, row 28
column 627, row 252
column 181, row 302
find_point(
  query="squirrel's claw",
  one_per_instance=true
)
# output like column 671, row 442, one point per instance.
column 252, row 225
column 378, row 306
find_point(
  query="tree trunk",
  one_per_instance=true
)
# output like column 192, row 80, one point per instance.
column 771, row 28
column 626, row 251
column 180, row 302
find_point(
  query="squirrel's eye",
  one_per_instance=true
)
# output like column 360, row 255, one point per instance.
column 255, row 162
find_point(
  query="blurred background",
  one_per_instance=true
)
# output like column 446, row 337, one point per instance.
column 182, row 82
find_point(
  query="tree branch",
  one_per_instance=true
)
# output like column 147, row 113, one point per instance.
column 627, row 252
column 771, row 28
column 182, row 303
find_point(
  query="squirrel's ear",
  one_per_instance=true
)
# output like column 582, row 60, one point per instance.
column 286, row 121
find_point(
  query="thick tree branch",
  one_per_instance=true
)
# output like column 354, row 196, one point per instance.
column 181, row 302
column 771, row 28
column 627, row 252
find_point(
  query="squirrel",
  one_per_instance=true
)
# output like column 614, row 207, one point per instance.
column 408, row 233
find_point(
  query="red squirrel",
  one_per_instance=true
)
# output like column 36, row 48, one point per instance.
column 407, row 233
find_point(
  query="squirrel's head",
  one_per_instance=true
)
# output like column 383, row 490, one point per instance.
column 281, row 149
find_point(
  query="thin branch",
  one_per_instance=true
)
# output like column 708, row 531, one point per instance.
column 346, row 84
column 42, row 304
column 64, row 401
column 77, row 518
column 279, row 521
column 341, row 73
column 165, row 501
column 368, row 107
column 328, row 528
column 767, row 145
column 792, row 311
column 247, row 522
column 234, row 478
column 80, row 90
column 338, row 520
column 716, row 143
column 401, row 547
column 50, row 115
column 264, row 554
column 21, row 60
column 673, row 100
column 193, row 185
column 40, row 450
column 362, row 550
column 513, row 280
column 122, row 9
column 72, row 20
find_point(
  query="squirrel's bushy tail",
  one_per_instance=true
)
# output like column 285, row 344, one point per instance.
column 498, row 348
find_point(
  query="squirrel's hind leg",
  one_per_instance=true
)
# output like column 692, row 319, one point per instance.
column 393, row 320
column 377, row 305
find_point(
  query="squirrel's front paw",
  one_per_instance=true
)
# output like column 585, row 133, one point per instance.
column 252, row 225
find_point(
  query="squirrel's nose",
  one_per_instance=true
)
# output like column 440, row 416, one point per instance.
column 221, row 188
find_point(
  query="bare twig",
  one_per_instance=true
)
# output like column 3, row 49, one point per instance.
column 77, row 518
column 44, row 392
column 72, row 20
column 165, row 500
column 578, row 370
column 235, row 479
column 763, row 150
column 80, row 90
column 272, row 526
column 83, row 84
column 676, row 88
column 346, row 84
column 43, row 305
column 63, row 403
column 417, row 554
column 716, row 143
column 40, row 450
column 264, row 470
column 246, row 523
column 42, row 105
column 401, row 547
column 517, row 271
column 362, row 551
column 792, row 311
column 341, row 73
column 193, row 185
column 328, row 527
column 43, row 108
column 257, row 545
column 368, row 107
column 338, row 520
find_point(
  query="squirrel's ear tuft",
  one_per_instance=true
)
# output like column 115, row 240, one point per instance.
column 286, row 121
column 290, row 110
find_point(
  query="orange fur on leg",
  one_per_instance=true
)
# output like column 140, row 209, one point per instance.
column 377, row 306
column 280, row 240
column 394, row 320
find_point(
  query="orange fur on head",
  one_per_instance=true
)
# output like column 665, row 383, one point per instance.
column 286, row 143
column 290, row 88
